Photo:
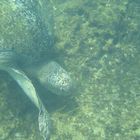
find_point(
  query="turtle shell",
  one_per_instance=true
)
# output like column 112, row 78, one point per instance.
column 26, row 28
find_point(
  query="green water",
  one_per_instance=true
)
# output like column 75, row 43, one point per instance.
column 98, row 43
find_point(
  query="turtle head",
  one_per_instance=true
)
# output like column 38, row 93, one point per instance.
column 53, row 77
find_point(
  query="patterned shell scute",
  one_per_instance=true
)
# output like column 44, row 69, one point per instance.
column 24, row 29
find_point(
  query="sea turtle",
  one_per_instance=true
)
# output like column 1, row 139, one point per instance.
column 26, row 35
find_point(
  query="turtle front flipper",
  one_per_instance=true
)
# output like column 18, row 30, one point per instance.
column 7, row 64
column 27, row 86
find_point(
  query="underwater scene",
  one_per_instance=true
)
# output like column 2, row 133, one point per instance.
column 69, row 69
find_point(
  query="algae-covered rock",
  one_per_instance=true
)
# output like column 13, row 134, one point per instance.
column 100, row 45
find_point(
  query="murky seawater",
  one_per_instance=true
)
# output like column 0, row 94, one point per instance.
column 97, row 43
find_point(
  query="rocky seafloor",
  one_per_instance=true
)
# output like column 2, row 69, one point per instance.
column 98, row 43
